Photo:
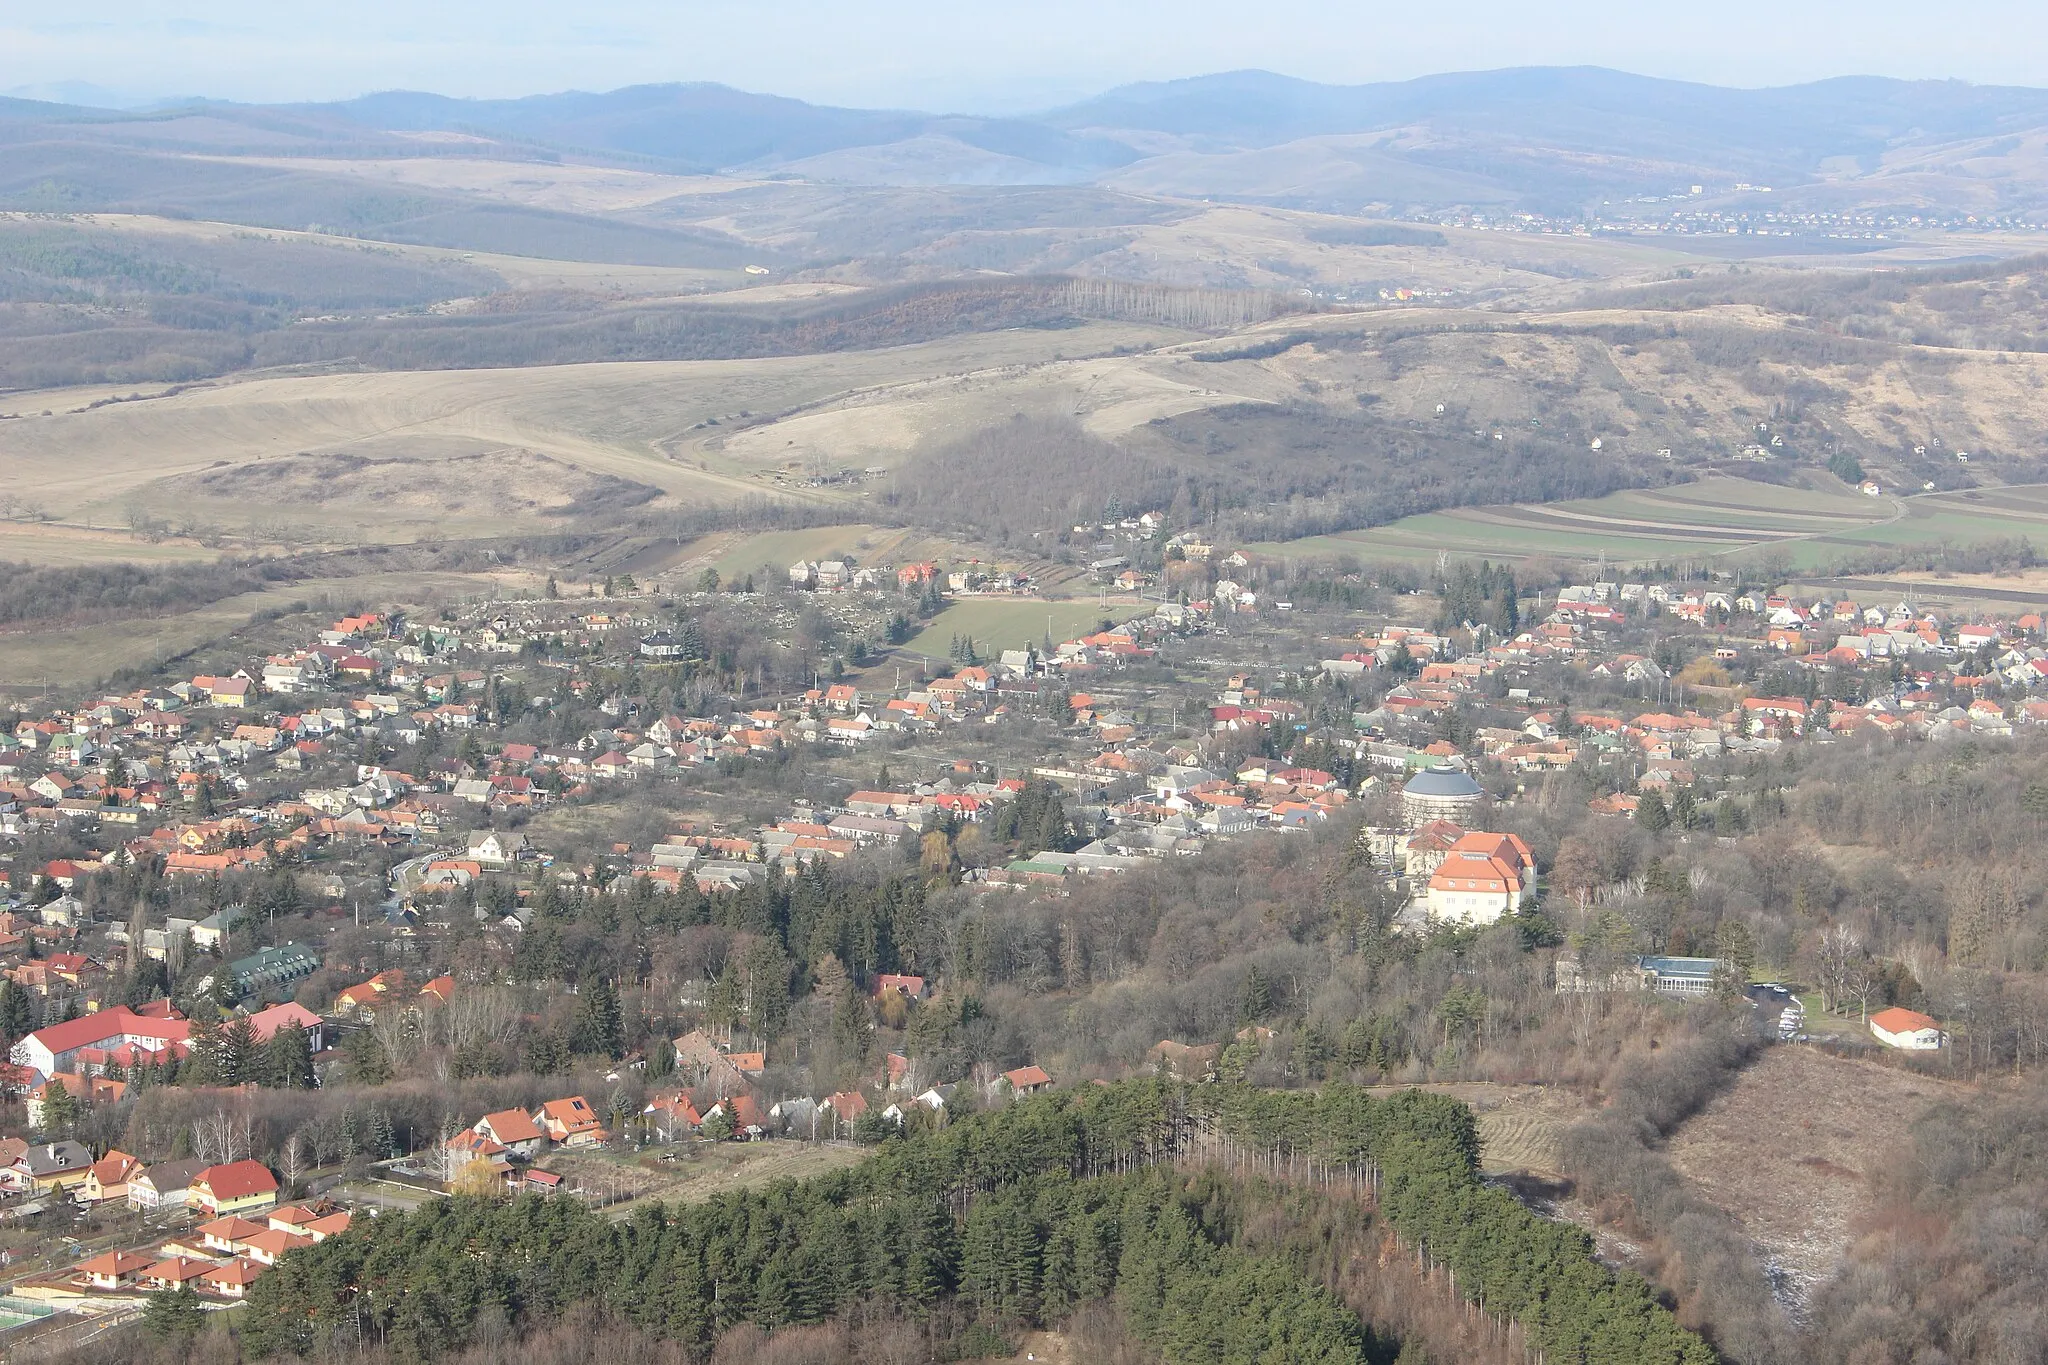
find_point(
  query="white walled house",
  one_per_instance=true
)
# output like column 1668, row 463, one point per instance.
column 1907, row 1030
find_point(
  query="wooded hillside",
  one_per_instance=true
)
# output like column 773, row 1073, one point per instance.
column 1026, row 1213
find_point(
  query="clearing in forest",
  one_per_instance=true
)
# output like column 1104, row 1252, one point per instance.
column 1791, row 1151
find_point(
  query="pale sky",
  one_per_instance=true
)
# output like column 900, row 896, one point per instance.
column 979, row 56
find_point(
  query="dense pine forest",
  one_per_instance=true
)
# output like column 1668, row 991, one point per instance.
column 1134, row 1196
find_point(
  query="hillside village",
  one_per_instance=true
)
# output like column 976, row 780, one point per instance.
column 298, row 873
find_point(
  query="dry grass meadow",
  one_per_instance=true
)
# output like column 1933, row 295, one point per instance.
column 1792, row 1148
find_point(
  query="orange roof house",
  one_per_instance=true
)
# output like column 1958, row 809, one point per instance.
column 1906, row 1029
column 266, row 1246
column 365, row 996
column 109, row 1176
column 227, row 1234
column 115, row 1269
column 234, row 1187
column 175, row 1272
column 514, row 1129
column 1027, row 1080
column 231, row 1280
column 672, row 1113
column 571, row 1122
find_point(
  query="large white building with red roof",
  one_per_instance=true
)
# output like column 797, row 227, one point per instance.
column 265, row 1023
column 1481, row 877
column 84, row 1045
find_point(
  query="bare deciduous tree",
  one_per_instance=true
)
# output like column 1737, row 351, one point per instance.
column 221, row 1136
column 480, row 1015
column 1839, row 948
column 397, row 1031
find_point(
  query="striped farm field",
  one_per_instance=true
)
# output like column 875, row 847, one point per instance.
column 1521, row 1140
column 1710, row 519
column 1521, row 1127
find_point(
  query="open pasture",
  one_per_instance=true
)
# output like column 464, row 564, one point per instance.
column 1794, row 1149
column 669, row 426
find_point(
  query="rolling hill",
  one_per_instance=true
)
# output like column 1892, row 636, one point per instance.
column 1547, row 138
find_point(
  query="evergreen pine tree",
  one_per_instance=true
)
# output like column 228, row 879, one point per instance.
column 60, row 1109
column 367, row 1064
column 383, row 1142
column 1651, row 812
column 1255, row 1001
column 600, row 1024
column 288, row 1059
column 546, row 1053
column 16, row 1018
column 173, row 1315
column 235, row 1059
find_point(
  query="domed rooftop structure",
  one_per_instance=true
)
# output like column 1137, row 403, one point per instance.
column 1440, row 793
column 1442, row 780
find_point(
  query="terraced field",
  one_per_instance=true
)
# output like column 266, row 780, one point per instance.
column 1710, row 519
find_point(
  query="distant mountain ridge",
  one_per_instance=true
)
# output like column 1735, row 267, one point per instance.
column 704, row 126
column 1260, row 108
column 1554, row 138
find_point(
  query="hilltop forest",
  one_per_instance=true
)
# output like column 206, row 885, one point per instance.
column 1145, row 1199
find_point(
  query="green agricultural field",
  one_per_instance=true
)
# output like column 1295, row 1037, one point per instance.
column 1710, row 519
column 999, row 623
column 1949, row 518
column 737, row 556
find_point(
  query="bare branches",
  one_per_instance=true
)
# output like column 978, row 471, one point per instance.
column 221, row 1137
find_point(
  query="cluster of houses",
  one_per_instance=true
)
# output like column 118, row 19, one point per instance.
column 92, row 1047
column 719, row 1090
column 142, row 773
column 509, row 1141
column 716, row 1092
column 836, row 575
column 1917, row 678
column 243, row 1234
column 239, row 1229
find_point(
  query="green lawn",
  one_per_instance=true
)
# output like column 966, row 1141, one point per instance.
column 784, row 548
column 1000, row 623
